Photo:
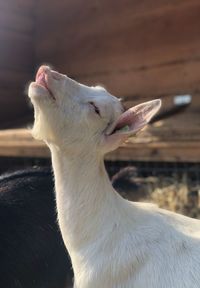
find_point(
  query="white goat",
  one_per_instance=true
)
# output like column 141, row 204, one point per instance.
column 113, row 243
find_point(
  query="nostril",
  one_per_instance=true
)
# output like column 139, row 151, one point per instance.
column 42, row 70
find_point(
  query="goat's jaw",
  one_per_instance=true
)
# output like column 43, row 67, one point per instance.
column 40, row 92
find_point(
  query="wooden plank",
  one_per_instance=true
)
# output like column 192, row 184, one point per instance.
column 20, row 143
column 176, row 151
column 16, row 135
column 55, row 15
column 160, row 37
column 16, row 50
column 172, row 79
column 14, row 79
column 183, row 127
column 17, row 57
column 12, row 95
column 165, row 58
column 100, row 13
column 22, row 7
column 14, row 105
column 23, row 149
column 14, row 21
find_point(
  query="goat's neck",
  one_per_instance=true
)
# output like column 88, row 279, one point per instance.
column 84, row 197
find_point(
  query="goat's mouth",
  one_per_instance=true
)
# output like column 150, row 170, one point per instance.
column 42, row 80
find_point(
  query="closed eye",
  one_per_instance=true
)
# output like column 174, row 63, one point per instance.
column 96, row 109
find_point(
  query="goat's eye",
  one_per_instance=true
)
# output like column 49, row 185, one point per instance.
column 96, row 109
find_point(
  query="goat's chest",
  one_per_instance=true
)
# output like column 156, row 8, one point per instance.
column 110, row 269
column 142, row 277
column 141, row 267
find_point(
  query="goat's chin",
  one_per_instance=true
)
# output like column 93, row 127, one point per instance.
column 39, row 132
column 41, row 129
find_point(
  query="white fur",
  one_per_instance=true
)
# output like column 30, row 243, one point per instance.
column 113, row 243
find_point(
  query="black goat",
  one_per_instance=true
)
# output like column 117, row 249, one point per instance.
column 130, row 185
column 32, row 253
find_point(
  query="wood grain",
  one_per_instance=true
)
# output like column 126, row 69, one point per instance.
column 182, row 127
column 143, row 48
column 21, row 7
column 17, row 24
column 19, row 143
column 14, row 106
column 14, row 79
column 17, row 52
column 121, row 41
column 139, row 50
column 177, row 78
column 172, row 151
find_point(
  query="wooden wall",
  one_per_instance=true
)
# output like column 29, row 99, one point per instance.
column 139, row 50
column 16, row 57
column 135, row 48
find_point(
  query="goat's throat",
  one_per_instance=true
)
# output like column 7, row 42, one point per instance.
column 83, row 195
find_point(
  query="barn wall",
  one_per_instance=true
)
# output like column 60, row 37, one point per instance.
column 132, row 47
column 139, row 50
column 16, row 57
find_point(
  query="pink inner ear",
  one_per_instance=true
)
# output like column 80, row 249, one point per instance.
column 135, row 118
column 126, row 119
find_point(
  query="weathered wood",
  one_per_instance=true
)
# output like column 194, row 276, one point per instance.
column 19, row 143
column 16, row 22
column 22, row 7
column 16, row 58
column 95, row 10
column 14, row 96
column 14, row 106
column 184, row 126
column 177, row 78
column 92, row 19
column 14, row 79
column 102, row 14
column 121, row 41
column 172, row 151
column 16, row 50
column 153, row 48
column 23, row 149
column 137, row 49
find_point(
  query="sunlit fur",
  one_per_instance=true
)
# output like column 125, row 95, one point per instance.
column 113, row 243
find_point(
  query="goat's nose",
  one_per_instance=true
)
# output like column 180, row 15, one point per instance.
column 42, row 70
column 55, row 75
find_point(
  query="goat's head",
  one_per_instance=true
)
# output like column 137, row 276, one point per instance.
column 74, row 116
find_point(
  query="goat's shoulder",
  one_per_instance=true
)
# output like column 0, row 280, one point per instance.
column 166, row 218
column 169, row 229
column 190, row 227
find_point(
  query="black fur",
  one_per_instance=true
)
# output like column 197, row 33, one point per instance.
column 32, row 253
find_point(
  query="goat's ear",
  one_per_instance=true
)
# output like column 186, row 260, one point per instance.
column 130, row 122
